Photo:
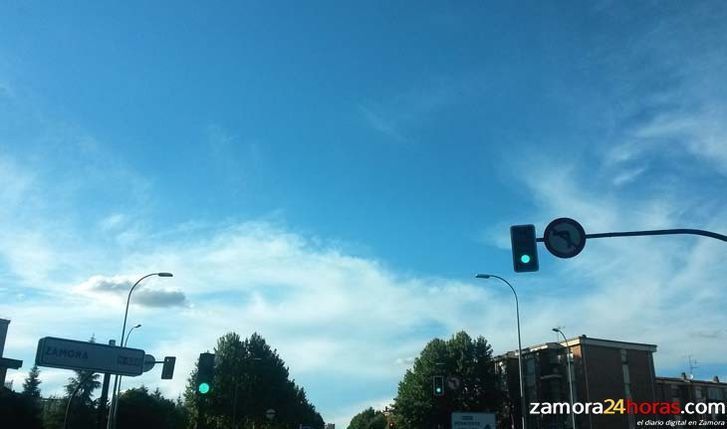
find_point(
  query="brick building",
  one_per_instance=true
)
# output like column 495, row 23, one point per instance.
column 685, row 389
column 601, row 369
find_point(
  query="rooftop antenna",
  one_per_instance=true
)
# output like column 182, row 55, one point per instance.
column 692, row 367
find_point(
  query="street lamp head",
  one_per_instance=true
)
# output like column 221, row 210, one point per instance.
column 165, row 274
column 482, row 276
column 138, row 325
column 556, row 330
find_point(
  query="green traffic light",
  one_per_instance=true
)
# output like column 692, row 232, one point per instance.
column 203, row 388
column 525, row 259
column 439, row 390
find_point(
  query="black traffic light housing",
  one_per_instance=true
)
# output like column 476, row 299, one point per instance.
column 438, row 385
column 205, row 372
column 168, row 368
column 524, row 248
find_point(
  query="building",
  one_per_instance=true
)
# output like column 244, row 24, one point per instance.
column 6, row 363
column 685, row 389
column 601, row 369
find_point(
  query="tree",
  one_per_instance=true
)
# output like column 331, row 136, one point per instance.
column 249, row 379
column 470, row 361
column 31, row 384
column 82, row 413
column 18, row 410
column 368, row 419
column 31, row 391
column 139, row 409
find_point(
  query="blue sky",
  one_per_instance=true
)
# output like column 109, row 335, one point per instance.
column 332, row 175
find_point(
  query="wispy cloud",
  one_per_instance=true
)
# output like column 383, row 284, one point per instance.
column 382, row 124
column 399, row 115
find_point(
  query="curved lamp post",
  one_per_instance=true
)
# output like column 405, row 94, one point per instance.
column 112, row 410
column 126, row 343
column 129, row 334
column 570, row 382
column 519, row 344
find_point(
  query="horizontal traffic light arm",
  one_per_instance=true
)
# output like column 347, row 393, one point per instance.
column 701, row 232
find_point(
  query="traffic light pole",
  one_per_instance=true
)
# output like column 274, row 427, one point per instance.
column 701, row 232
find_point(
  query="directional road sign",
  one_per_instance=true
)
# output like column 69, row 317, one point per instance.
column 564, row 237
column 454, row 383
column 82, row 355
column 462, row 420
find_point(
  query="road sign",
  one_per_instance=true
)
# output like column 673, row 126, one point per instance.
column 462, row 420
column 81, row 355
column 564, row 237
column 453, row 383
column 149, row 361
column 270, row 414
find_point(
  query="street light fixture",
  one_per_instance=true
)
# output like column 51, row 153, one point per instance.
column 114, row 399
column 129, row 334
column 519, row 344
column 570, row 382
column 126, row 343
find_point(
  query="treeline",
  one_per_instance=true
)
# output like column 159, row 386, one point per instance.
column 250, row 379
column 473, row 386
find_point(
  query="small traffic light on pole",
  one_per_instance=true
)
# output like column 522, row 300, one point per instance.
column 438, row 382
column 524, row 248
column 205, row 372
column 168, row 368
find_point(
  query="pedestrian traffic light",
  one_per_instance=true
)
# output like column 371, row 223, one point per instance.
column 205, row 372
column 524, row 248
column 438, row 382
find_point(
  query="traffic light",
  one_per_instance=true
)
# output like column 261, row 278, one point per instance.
column 524, row 248
column 205, row 372
column 438, row 382
column 168, row 368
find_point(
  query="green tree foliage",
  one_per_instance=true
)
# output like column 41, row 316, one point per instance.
column 140, row 409
column 83, row 412
column 31, row 385
column 18, row 410
column 368, row 419
column 416, row 407
column 250, row 378
column 31, row 391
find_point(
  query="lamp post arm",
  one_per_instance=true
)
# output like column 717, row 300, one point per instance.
column 128, row 300
column 519, row 351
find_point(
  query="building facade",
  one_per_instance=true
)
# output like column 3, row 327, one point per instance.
column 600, row 370
column 6, row 363
column 685, row 389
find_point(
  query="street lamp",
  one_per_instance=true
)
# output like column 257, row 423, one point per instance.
column 570, row 382
column 126, row 343
column 519, row 344
column 129, row 334
column 112, row 410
